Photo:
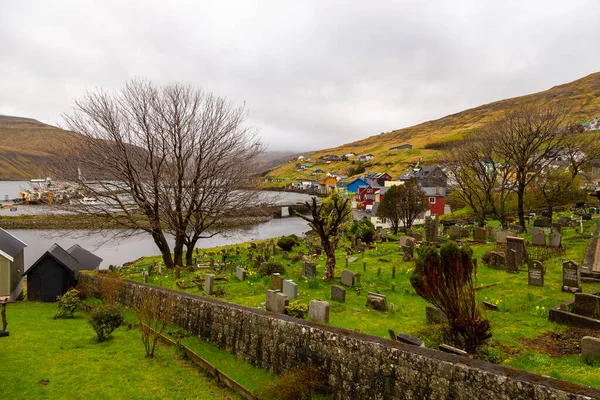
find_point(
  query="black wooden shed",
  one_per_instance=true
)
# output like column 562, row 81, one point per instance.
column 51, row 275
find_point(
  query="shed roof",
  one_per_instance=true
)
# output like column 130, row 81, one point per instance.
column 10, row 244
column 61, row 256
column 86, row 259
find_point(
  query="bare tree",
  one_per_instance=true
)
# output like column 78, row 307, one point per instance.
column 527, row 138
column 155, row 311
column 168, row 159
column 327, row 219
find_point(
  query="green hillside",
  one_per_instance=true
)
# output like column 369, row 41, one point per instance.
column 581, row 97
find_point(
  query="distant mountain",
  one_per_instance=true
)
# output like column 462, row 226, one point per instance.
column 581, row 98
column 30, row 149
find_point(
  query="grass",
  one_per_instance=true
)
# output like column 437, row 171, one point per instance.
column 65, row 355
column 522, row 309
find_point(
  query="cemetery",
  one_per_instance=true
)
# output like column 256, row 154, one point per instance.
column 372, row 293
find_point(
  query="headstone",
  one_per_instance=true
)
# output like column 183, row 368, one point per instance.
column 212, row 262
column 240, row 273
column 571, row 277
column 377, row 301
column 518, row 245
column 454, row 232
column 534, row 229
column 480, row 235
column 587, row 305
column 145, row 275
column 556, row 228
column 286, row 255
column 452, row 350
column 543, row 222
column 347, row 278
column 501, row 237
column 535, row 274
column 431, row 229
column 554, row 240
column 209, row 280
column 150, row 267
column 538, row 239
column 564, row 221
column 586, row 217
column 590, row 346
column 407, row 241
column 352, row 259
column 309, row 270
column 464, row 232
column 318, row 311
column 497, row 260
column 408, row 253
column 516, row 228
column 276, row 301
column 434, row 315
column 511, row 261
column 409, row 339
column 418, row 237
column 276, row 282
column 338, row 293
column 290, row 289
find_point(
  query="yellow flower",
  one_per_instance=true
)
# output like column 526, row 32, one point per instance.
column 537, row 307
column 543, row 308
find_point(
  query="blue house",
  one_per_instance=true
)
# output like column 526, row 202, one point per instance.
column 353, row 186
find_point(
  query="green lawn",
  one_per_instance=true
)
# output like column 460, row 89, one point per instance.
column 45, row 358
column 522, row 314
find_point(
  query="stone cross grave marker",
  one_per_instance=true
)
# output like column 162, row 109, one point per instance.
column 571, row 277
column 538, row 239
column 338, row 293
column 554, row 240
column 318, row 310
column 535, row 274
column 347, row 278
column 240, row 273
column 276, row 301
column 290, row 289
column 209, row 280
column 377, row 301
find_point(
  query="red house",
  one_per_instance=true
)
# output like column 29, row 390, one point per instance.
column 433, row 181
column 366, row 196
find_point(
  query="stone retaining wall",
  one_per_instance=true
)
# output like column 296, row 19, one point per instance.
column 356, row 366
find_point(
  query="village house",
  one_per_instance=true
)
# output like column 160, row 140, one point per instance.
column 330, row 158
column 433, row 181
column 378, row 178
column 11, row 266
column 327, row 184
column 365, row 157
column 355, row 184
column 365, row 197
column 402, row 147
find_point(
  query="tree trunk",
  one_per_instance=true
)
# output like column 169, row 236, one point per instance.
column 189, row 255
column 330, row 264
column 178, row 251
column 520, row 197
column 550, row 211
column 163, row 246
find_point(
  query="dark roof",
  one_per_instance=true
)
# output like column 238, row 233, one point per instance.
column 418, row 173
column 87, row 260
column 10, row 244
column 60, row 256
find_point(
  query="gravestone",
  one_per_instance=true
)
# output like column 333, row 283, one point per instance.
column 286, row 255
column 586, row 217
column 480, row 235
column 276, row 282
column 431, row 229
column 534, row 229
column 543, row 222
column 538, row 239
column 464, row 232
column 590, row 346
column 240, row 273
column 150, row 266
column 417, row 236
column 347, row 278
column 352, row 259
column 518, row 245
column 516, row 228
column 497, row 260
column 318, row 311
column 212, row 262
column 501, row 236
column 409, row 339
column 434, row 315
column 587, row 305
column 406, row 241
column 571, row 277
column 556, row 228
column 511, row 261
column 276, row 301
column 408, row 253
column 454, row 232
column 554, row 240
column 564, row 221
column 290, row 289
column 535, row 274
column 309, row 270
column 338, row 293
column 377, row 301
column 209, row 281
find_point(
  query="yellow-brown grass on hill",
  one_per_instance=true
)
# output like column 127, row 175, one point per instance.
column 581, row 98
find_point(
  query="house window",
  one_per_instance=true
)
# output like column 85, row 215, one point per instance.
column 432, row 200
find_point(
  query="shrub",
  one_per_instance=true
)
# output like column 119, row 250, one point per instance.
column 155, row 313
column 105, row 319
column 287, row 242
column 271, row 267
column 363, row 230
column 68, row 303
column 296, row 309
column 297, row 383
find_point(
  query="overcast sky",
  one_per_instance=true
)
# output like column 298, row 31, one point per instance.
column 313, row 74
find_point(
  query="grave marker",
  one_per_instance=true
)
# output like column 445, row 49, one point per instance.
column 240, row 273
column 554, row 240
column 276, row 282
column 318, row 311
column 571, row 277
column 480, row 235
column 290, row 289
column 338, row 293
column 538, row 239
column 511, row 261
column 377, row 301
column 347, row 278
column 209, row 280
column 535, row 274
column 276, row 301
column 309, row 270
